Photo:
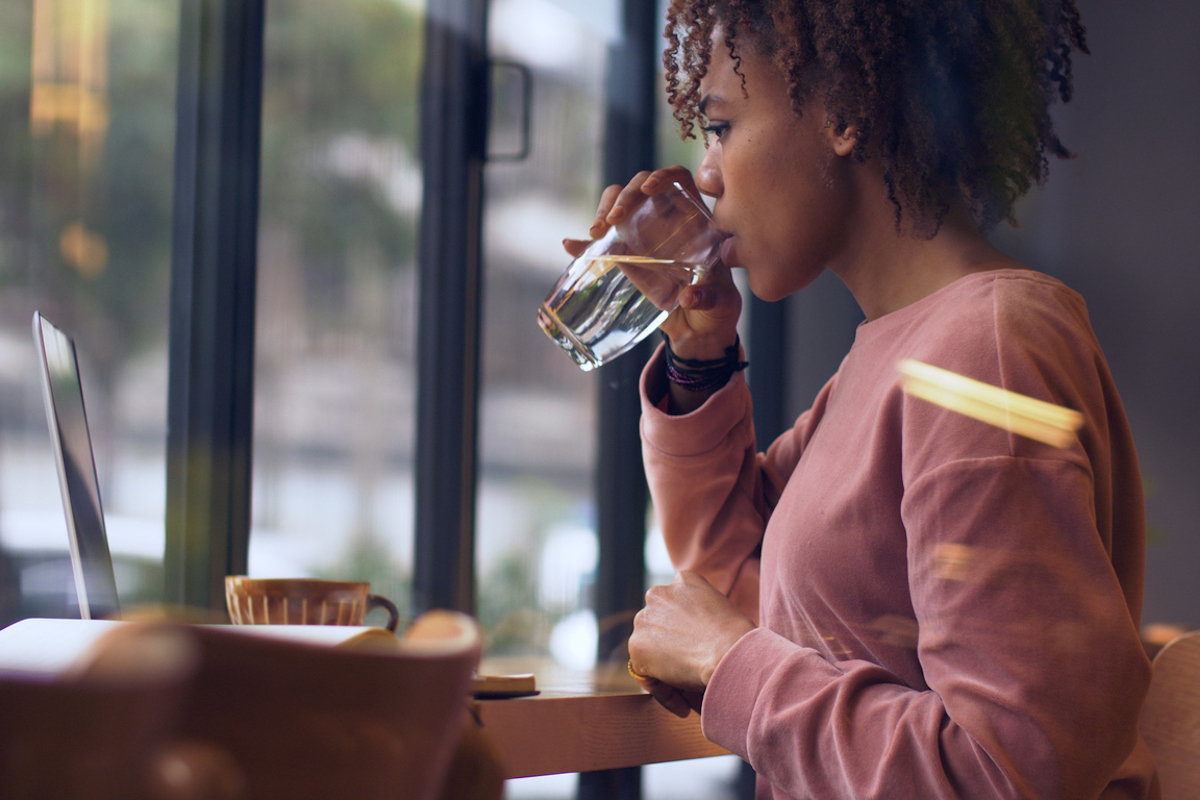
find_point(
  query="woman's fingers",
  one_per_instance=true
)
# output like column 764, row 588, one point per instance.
column 684, row 631
column 661, row 178
column 607, row 199
column 668, row 697
column 617, row 202
column 706, row 321
column 648, row 183
column 627, row 199
column 575, row 247
column 699, row 298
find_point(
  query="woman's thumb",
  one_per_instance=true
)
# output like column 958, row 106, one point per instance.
column 697, row 298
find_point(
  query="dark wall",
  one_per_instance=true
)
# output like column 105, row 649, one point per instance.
column 1117, row 224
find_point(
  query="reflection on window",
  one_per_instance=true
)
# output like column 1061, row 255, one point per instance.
column 87, row 121
column 536, row 543
column 335, row 373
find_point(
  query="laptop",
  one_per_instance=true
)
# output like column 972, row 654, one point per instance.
column 62, row 392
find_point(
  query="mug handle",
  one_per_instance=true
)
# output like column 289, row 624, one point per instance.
column 378, row 601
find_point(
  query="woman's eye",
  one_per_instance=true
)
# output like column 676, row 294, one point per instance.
column 717, row 129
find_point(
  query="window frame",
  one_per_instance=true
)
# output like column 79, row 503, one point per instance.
column 210, row 390
column 212, row 314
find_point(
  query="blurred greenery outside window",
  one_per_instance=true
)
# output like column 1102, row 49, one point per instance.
column 87, row 131
column 87, row 101
column 536, row 548
column 336, row 320
column 87, row 111
column 535, row 543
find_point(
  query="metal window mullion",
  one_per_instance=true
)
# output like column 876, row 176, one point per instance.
column 622, row 497
column 213, row 274
column 454, row 119
column 767, row 351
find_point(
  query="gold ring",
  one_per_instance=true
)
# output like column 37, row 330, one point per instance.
column 629, row 666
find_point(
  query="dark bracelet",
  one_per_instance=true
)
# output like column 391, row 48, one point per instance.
column 703, row 375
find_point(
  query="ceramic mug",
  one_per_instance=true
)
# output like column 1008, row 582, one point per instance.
column 303, row 601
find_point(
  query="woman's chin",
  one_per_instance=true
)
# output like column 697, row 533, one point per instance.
column 768, row 291
column 772, row 288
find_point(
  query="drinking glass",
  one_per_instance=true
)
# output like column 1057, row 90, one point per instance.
column 622, row 287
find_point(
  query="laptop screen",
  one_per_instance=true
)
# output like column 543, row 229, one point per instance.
column 91, row 561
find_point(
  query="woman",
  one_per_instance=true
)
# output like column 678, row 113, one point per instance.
column 893, row 600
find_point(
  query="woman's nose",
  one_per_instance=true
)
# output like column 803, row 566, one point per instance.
column 708, row 175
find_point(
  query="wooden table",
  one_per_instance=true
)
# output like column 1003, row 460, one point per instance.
column 584, row 721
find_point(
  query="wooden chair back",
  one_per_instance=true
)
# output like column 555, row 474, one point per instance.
column 477, row 769
column 305, row 721
column 99, row 735
column 1170, row 721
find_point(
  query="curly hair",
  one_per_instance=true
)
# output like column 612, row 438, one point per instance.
column 953, row 96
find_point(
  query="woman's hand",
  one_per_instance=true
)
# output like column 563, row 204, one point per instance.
column 677, row 701
column 681, row 635
column 705, row 324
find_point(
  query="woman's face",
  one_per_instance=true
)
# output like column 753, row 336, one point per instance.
column 782, row 191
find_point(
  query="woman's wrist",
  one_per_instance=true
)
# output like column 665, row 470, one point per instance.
column 722, row 644
column 703, row 376
column 701, row 347
column 691, row 381
column 681, row 401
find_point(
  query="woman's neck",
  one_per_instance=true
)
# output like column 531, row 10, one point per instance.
column 886, row 269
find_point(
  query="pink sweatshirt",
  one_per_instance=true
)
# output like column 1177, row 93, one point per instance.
column 946, row 610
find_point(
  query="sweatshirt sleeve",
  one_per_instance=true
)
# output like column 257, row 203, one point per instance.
column 712, row 492
column 1033, row 666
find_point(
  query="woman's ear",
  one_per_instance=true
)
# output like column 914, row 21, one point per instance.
column 842, row 143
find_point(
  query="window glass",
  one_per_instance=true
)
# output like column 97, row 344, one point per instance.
column 537, row 549
column 87, row 121
column 536, row 543
column 334, row 371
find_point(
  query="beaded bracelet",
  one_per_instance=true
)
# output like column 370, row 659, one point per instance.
column 701, row 375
